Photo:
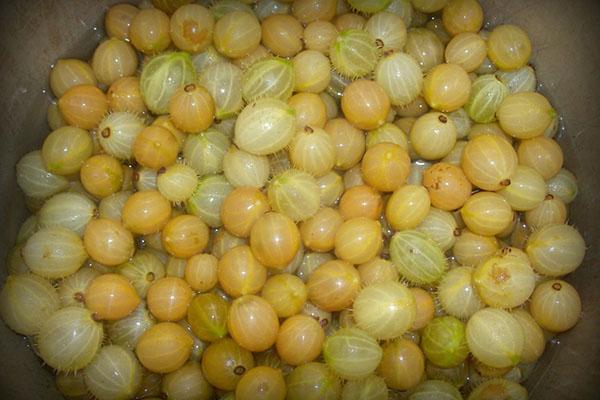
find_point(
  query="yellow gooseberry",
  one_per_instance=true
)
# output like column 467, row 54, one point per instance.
column 83, row 106
column 146, row 212
column 314, row 10
column 261, row 383
column 487, row 213
column 471, row 249
column 282, row 34
column 489, row 162
column 361, row 201
column 509, row 47
column 310, row 110
column 101, row 175
column 377, row 270
column 312, row 73
column 286, row 293
column 237, row 34
column 253, row 323
column 433, row 136
column 402, row 365
column 467, row 50
column 365, row 104
column 542, row 154
column 447, row 185
column 69, row 72
column 108, row 242
column 318, row 232
column 124, row 95
column 299, row 340
column 111, row 297
column 385, row 167
column 407, row 207
column 349, row 142
column 201, row 272
column 461, row 16
column 447, row 87
column 349, row 21
column 192, row 28
column 164, row 348
column 319, row 35
column 239, row 273
column 155, row 147
column 224, row 363
column 192, row 108
column 168, row 298
column 425, row 308
column 274, row 240
column 184, row 236
column 242, row 208
column 114, row 59
column 118, row 20
column 164, row 121
column 358, row 240
column 149, row 31
column 333, row 285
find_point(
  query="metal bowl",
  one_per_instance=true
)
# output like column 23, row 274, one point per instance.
column 565, row 36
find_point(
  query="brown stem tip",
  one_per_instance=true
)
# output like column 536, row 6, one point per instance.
column 556, row 286
column 79, row 297
column 150, row 276
column 239, row 370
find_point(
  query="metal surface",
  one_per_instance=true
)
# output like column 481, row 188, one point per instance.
column 565, row 35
